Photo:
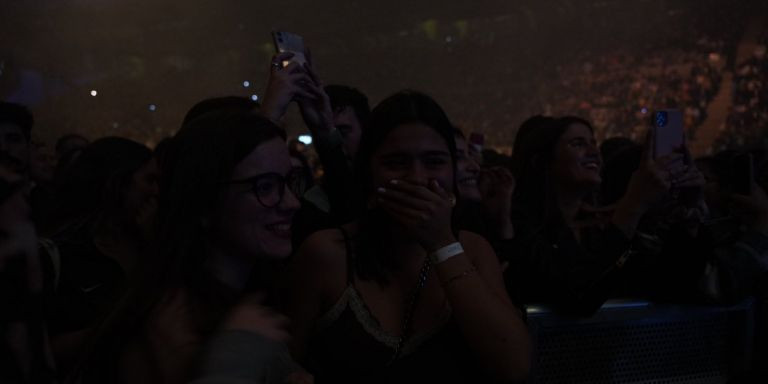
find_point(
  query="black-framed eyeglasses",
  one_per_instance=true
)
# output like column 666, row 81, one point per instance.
column 269, row 188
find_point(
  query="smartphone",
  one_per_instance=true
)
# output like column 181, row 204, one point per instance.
column 669, row 137
column 742, row 173
column 290, row 42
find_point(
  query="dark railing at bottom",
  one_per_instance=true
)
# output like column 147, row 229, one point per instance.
column 632, row 341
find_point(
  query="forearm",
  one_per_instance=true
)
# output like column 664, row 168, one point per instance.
column 627, row 217
column 492, row 327
column 273, row 110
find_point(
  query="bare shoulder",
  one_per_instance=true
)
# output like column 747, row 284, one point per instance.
column 326, row 248
column 318, row 271
column 322, row 259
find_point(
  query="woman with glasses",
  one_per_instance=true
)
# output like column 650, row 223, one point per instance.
column 224, row 217
column 399, row 296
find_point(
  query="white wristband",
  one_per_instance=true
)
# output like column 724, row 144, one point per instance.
column 446, row 253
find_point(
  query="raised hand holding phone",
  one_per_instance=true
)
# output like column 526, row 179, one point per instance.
column 287, row 75
column 284, row 85
column 292, row 78
column 649, row 184
column 653, row 179
column 424, row 210
column 316, row 111
column 287, row 42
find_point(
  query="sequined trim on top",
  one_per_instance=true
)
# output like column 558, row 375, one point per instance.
column 351, row 298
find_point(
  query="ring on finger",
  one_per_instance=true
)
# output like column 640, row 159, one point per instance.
column 276, row 65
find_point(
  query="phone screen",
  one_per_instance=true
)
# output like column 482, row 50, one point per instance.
column 668, row 129
column 290, row 42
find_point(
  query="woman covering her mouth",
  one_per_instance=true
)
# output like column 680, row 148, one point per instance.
column 399, row 296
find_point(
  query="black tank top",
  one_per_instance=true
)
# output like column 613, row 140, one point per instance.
column 349, row 345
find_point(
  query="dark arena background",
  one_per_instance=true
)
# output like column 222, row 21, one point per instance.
column 491, row 63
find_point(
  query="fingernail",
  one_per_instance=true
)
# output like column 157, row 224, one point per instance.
column 393, row 181
column 381, row 189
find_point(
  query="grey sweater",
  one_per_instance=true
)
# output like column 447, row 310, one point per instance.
column 242, row 357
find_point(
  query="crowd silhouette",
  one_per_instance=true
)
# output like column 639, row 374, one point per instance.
column 393, row 249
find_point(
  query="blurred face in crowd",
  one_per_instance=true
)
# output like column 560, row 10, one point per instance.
column 576, row 162
column 42, row 163
column 72, row 144
column 245, row 225
column 349, row 127
column 416, row 153
column 14, row 147
column 467, row 172
column 143, row 189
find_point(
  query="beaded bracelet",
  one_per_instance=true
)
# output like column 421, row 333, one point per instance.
column 459, row 276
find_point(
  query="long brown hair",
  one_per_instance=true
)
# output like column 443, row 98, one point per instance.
column 534, row 200
column 206, row 150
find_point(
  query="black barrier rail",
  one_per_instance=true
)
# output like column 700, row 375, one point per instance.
column 632, row 341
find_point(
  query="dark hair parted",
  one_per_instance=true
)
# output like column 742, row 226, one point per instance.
column 206, row 152
column 91, row 189
column 405, row 107
column 534, row 149
column 343, row 96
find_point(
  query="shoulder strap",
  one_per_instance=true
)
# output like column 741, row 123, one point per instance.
column 350, row 256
